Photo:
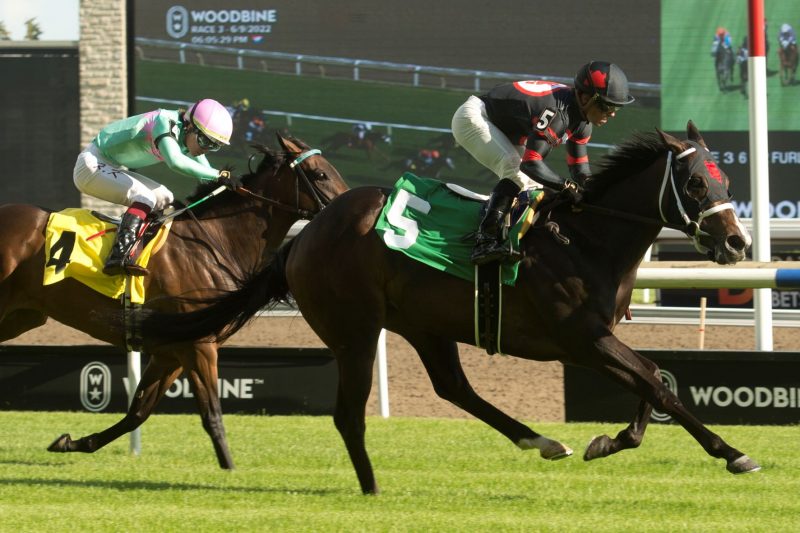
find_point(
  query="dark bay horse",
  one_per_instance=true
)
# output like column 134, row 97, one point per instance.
column 788, row 63
column 208, row 248
column 566, row 302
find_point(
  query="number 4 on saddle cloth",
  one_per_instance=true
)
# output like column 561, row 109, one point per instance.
column 77, row 242
column 434, row 222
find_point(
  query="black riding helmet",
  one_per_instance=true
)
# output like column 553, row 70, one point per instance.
column 605, row 81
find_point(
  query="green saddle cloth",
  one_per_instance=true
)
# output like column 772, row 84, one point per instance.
column 431, row 223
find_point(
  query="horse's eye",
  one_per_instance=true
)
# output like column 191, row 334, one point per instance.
column 695, row 182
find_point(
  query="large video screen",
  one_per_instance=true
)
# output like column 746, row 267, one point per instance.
column 709, row 84
column 318, row 70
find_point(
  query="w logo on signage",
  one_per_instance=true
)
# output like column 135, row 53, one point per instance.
column 177, row 22
column 95, row 386
column 672, row 384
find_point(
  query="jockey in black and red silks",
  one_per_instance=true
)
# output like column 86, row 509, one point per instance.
column 512, row 128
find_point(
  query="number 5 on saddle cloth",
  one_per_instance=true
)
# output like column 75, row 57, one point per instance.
column 434, row 223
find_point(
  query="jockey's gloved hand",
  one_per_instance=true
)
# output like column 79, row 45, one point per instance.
column 572, row 192
column 231, row 181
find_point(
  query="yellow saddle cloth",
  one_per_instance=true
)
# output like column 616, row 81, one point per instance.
column 76, row 246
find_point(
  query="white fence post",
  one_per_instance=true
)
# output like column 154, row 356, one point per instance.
column 134, row 375
column 383, row 378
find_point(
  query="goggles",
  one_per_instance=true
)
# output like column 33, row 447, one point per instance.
column 205, row 143
column 604, row 106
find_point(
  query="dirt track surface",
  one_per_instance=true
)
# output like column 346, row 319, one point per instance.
column 526, row 390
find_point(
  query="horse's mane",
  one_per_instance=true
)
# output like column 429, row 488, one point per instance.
column 630, row 157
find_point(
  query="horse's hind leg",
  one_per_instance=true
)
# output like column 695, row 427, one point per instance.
column 355, row 362
column 156, row 379
column 440, row 357
column 354, row 340
column 631, row 436
column 203, row 373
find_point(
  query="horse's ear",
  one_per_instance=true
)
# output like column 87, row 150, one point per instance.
column 694, row 134
column 287, row 144
column 673, row 143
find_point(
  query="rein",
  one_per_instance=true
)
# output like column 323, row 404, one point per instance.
column 690, row 227
column 668, row 173
column 299, row 173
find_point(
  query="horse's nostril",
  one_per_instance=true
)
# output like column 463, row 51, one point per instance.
column 735, row 242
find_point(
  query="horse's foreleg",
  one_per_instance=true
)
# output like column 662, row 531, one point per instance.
column 625, row 366
column 204, row 378
column 631, row 436
column 440, row 357
column 156, row 379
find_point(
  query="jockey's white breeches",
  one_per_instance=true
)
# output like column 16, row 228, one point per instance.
column 95, row 176
column 487, row 144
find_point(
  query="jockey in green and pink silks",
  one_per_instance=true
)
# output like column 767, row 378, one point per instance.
column 176, row 138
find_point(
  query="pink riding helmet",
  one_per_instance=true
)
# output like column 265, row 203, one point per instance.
column 212, row 119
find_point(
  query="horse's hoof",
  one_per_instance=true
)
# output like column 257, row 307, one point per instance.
column 555, row 453
column 742, row 465
column 598, row 447
column 548, row 449
column 61, row 444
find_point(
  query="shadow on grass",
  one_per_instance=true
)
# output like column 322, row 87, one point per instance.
column 32, row 463
column 162, row 486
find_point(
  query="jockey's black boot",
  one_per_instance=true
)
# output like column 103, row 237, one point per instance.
column 489, row 238
column 119, row 259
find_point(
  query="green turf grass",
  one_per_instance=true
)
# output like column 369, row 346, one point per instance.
column 436, row 475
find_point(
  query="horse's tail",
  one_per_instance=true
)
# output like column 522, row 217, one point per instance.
column 223, row 315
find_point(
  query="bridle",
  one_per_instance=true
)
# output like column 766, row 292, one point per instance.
column 691, row 227
column 302, row 178
column 669, row 189
column 303, row 213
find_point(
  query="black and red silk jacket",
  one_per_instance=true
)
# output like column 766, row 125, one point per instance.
column 540, row 115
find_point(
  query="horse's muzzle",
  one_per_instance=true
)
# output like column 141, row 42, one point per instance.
column 731, row 251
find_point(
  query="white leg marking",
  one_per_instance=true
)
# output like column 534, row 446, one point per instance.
column 548, row 448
